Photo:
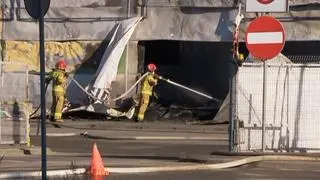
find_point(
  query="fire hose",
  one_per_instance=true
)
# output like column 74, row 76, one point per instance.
column 132, row 87
column 95, row 98
column 115, row 99
column 192, row 90
column 138, row 81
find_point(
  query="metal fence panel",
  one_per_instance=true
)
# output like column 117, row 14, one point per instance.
column 14, row 105
column 292, row 107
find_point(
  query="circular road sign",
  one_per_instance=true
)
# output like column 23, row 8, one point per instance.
column 32, row 7
column 265, row 37
column 265, row 1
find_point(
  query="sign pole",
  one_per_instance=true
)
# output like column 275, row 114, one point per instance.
column 43, row 93
column 37, row 10
column 264, row 94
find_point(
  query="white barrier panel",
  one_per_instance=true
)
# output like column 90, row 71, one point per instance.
column 292, row 107
column 14, row 105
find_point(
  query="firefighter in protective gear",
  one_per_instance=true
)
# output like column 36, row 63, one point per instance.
column 59, row 79
column 149, row 82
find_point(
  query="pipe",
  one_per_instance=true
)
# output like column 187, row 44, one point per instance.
column 87, row 135
column 192, row 90
column 58, row 134
column 133, row 170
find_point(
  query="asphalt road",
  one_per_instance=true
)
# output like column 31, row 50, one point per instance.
column 261, row 171
column 128, row 153
column 156, row 148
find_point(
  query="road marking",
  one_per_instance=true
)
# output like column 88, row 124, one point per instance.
column 265, row 38
column 177, row 138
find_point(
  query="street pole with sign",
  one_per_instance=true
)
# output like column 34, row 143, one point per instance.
column 265, row 39
column 37, row 10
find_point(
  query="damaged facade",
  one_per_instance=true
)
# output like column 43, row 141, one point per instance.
column 189, row 40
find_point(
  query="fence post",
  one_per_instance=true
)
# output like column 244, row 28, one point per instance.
column 264, row 107
column 1, row 114
column 231, row 120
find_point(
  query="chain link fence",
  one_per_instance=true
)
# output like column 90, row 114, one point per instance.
column 14, row 105
column 284, row 117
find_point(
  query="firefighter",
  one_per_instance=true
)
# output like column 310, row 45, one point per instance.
column 59, row 79
column 149, row 82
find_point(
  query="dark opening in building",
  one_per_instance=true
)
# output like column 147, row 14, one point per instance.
column 203, row 66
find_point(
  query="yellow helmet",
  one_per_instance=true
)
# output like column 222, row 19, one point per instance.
column 241, row 57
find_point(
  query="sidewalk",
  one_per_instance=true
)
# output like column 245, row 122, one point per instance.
column 159, row 126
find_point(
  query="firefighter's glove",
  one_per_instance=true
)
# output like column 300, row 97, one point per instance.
column 48, row 80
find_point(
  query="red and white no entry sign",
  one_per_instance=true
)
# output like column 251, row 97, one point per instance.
column 265, row 37
column 265, row 1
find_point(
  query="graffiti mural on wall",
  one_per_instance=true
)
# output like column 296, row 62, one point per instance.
column 27, row 52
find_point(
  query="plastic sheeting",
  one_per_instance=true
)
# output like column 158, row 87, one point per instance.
column 108, row 67
column 110, row 60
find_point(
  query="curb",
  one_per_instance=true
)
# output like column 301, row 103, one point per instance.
column 22, row 151
column 56, row 134
column 135, row 127
column 134, row 170
column 86, row 134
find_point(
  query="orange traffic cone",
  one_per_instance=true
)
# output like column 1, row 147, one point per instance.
column 97, row 166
